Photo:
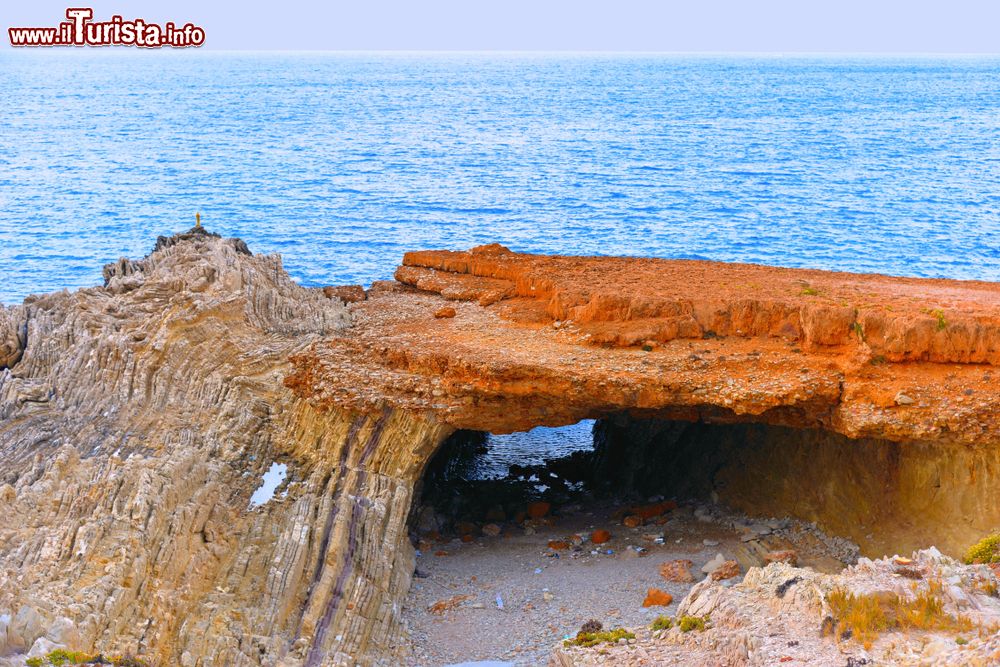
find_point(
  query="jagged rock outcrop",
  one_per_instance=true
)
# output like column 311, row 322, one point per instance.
column 138, row 419
column 13, row 330
column 135, row 428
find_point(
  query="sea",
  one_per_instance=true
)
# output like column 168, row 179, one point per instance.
column 342, row 162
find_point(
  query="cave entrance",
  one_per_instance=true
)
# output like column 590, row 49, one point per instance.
column 481, row 478
column 667, row 497
column 523, row 538
column 478, row 477
column 887, row 496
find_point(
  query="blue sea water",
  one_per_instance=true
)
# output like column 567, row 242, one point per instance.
column 530, row 448
column 343, row 162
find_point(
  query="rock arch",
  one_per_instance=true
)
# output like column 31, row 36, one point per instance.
column 138, row 418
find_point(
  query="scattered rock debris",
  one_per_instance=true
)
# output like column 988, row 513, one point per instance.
column 594, row 576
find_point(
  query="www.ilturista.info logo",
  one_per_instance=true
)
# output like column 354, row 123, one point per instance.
column 79, row 30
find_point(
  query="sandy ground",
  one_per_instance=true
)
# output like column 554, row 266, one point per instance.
column 547, row 598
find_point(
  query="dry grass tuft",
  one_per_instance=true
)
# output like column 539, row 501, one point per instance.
column 863, row 617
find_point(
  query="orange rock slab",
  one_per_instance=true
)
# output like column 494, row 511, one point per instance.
column 547, row 340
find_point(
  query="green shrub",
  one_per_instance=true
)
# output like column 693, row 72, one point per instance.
column 662, row 623
column 61, row 658
column 986, row 550
column 689, row 623
column 588, row 639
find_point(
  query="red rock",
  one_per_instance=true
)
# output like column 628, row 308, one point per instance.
column 677, row 571
column 727, row 570
column 492, row 249
column 520, row 517
column 654, row 509
column 491, row 529
column 444, row 312
column 467, row 538
column 746, row 306
column 558, row 545
column 346, row 293
column 600, row 536
column 465, row 528
column 784, row 556
column 441, row 552
column 537, row 510
column 657, row 598
column 632, row 521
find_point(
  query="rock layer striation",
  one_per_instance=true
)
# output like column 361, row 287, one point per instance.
column 139, row 418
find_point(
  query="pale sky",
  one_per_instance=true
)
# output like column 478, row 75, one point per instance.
column 771, row 26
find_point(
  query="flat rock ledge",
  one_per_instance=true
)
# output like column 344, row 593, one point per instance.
column 139, row 418
column 550, row 340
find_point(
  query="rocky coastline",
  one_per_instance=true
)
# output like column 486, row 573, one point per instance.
column 139, row 418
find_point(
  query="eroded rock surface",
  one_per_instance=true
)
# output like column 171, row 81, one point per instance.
column 885, row 387
column 137, row 423
column 138, row 418
column 804, row 348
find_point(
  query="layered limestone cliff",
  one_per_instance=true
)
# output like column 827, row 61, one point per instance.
column 139, row 418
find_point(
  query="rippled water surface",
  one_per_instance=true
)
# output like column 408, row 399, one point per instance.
column 532, row 447
column 341, row 163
